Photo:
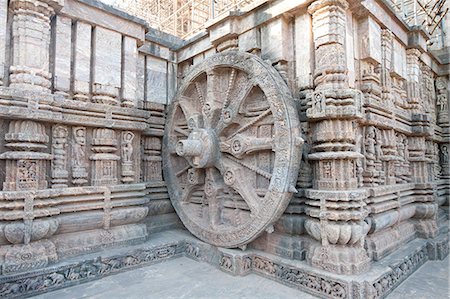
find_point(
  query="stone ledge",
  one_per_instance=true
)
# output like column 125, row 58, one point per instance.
column 15, row 104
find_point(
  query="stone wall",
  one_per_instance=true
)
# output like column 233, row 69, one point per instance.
column 83, row 89
column 82, row 115
column 373, row 106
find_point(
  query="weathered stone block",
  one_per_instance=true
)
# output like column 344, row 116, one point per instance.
column 156, row 80
column 370, row 43
column 3, row 27
column 82, row 63
column 107, row 66
column 63, row 43
column 130, row 61
column 276, row 41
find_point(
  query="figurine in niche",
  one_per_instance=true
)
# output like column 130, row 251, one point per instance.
column 126, row 150
column 79, row 147
column 444, row 151
column 406, row 143
column 442, row 103
column 370, row 143
column 127, row 147
column 79, row 163
column 378, row 150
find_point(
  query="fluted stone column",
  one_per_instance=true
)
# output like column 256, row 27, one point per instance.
column 336, row 205
column 31, row 41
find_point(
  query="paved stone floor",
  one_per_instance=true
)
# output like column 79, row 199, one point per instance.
column 185, row 278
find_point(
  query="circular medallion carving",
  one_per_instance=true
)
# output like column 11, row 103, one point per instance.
column 231, row 148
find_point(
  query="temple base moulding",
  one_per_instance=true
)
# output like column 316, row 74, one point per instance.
column 378, row 282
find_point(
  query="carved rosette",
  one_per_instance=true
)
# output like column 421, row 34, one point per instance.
column 231, row 149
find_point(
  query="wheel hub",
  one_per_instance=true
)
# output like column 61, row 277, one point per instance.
column 200, row 149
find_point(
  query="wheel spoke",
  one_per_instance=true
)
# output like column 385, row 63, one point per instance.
column 248, row 166
column 210, row 109
column 242, row 145
column 186, row 193
column 187, row 106
column 213, row 185
column 236, row 178
column 181, row 131
column 250, row 123
column 230, row 110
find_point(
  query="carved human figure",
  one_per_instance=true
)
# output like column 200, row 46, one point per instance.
column 370, row 143
column 127, row 147
column 442, row 103
column 444, row 153
column 378, row 144
column 405, row 148
column 79, row 148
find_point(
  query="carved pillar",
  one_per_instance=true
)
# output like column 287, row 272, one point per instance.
column 428, row 92
column 59, row 162
column 426, row 202
column 418, row 160
column 443, row 154
column 388, row 146
column 370, row 59
column 335, row 204
column 104, row 161
column 413, row 76
column 386, row 66
column 26, row 229
column 31, row 40
column 25, row 161
column 152, row 159
column 3, row 32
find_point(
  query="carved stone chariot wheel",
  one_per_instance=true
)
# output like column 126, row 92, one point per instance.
column 231, row 149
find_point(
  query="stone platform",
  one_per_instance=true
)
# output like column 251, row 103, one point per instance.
column 383, row 277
